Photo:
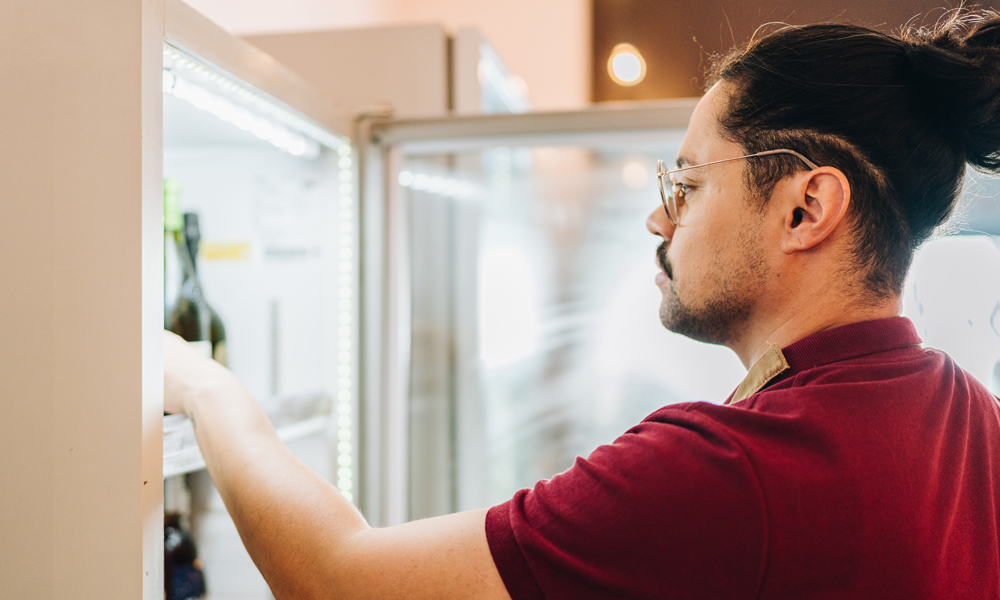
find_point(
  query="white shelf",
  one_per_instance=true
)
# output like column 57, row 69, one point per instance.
column 182, row 455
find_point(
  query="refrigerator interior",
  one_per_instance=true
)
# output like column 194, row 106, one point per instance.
column 274, row 195
column 534, row 327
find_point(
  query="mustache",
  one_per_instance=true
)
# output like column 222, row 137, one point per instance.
column 661, row 257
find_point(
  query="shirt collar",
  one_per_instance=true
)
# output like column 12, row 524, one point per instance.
column 829, row 346
column 766, row 368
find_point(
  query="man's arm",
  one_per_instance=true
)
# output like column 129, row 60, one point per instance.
column 305, row 538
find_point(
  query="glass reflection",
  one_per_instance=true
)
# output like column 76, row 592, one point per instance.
column 536, row 334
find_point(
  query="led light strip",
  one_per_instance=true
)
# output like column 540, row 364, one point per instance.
column 346, row 337
column 435, row 184
column 233, row 103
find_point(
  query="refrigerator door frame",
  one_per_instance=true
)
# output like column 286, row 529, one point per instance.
column 385, row 267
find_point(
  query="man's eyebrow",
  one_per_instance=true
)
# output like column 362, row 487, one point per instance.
column 682, row 161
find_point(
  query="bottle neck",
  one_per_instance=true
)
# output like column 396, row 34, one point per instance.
column 191, row 246
column 190, row 282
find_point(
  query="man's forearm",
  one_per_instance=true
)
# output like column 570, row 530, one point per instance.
column 287, row 515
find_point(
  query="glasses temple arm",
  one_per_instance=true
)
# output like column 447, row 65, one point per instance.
column 808, row 162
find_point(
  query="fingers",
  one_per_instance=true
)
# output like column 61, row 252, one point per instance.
column 182, row 371
column 187, row 373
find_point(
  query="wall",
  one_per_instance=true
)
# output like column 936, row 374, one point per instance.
column 677, row 38
column 546, row 43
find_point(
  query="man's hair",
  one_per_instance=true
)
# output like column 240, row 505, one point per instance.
column 899, row 115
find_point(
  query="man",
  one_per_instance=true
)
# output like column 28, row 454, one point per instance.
column 850, row 463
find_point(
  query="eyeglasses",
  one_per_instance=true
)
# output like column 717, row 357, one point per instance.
column 672, row 192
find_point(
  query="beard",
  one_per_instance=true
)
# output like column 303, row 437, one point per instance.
column 725, row 312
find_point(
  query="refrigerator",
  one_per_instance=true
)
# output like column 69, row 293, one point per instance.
column 274, row 191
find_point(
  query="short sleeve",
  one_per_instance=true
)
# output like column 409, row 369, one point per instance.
column 671, row 509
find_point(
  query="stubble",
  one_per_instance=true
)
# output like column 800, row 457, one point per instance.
column 730, row 292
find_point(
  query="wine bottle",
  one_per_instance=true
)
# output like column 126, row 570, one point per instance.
column 191, row 317
column 173, row 222
column 216, row 330
column 183, row 575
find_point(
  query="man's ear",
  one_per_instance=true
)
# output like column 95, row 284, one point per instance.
column 817, row 206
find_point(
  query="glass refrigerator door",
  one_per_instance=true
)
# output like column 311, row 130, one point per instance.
column 273, row 192
column 530, row 331
column 522, row 321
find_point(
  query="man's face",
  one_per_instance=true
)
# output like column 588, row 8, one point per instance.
column 713, row 264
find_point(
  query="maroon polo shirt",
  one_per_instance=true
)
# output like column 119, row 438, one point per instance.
column 869, row 469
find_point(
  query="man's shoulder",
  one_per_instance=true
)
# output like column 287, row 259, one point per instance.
column 700, row 416
column 910, row 374
column 840, row 409
column 699, row 430
column 687, row 415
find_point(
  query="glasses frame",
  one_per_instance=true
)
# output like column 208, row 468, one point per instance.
column 670, row 199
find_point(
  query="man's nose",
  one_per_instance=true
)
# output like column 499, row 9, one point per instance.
column 659, row 224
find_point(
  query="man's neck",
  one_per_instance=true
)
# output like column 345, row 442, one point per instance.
column 805, row 319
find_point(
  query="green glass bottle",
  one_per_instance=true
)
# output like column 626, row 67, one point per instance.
column 173, row 223
column 190, row 316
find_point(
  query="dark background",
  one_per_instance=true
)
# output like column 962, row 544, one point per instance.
column 677, row 37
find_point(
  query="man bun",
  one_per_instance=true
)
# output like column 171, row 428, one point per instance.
column 900, row 115
column 957, row 64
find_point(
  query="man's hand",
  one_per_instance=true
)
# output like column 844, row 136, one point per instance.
column 187, row 374
column 306, row 539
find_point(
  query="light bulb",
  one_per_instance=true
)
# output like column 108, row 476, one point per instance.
column 626, row 66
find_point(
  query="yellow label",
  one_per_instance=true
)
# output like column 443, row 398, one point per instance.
column 235, row 251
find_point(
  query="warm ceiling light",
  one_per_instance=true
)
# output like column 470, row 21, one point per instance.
column 626, row 66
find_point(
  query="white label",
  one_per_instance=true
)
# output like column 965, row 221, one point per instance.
column 204, row 348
